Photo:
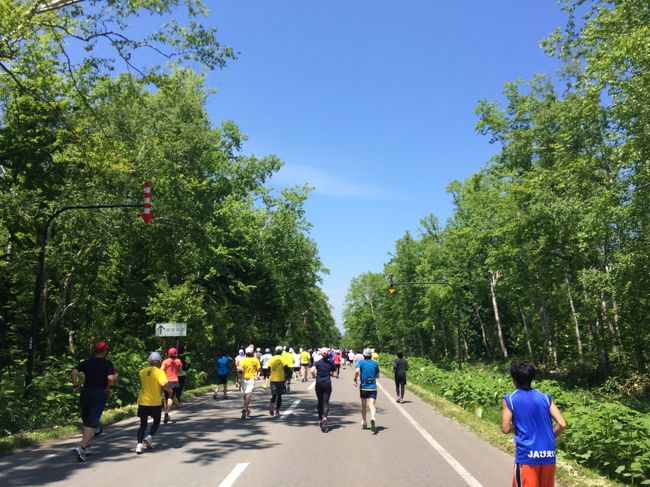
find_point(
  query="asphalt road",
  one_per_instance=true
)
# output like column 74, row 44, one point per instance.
column 207, row 444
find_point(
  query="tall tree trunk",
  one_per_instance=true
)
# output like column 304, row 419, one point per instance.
column 483, row 335
column 526, row 333
column 608, row 321
column 543, row 318
column 581, row 357
column 493, row 278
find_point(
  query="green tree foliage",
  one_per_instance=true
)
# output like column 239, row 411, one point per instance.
column 224, row 253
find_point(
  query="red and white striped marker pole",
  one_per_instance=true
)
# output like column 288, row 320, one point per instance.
column 146, row 213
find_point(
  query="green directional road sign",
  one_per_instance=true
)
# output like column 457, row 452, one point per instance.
column 170, row 329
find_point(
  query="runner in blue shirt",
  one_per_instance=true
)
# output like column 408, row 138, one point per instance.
column 223, row 367
column 531, row 412
column 366, row 374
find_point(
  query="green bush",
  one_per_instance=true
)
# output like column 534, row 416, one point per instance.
column 603, row 434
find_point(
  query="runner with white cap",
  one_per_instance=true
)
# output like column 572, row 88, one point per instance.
column 152, row 380
column 249, row 367
column 366, row 374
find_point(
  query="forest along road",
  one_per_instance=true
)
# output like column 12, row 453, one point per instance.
column 207, row 444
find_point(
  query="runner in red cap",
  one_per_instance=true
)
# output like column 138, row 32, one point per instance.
column 170, row 366
column 98, row 376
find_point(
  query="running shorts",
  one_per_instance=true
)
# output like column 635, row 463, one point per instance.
column 91, row 404
column 266, row 373
column 248, row 385
column 368, row 394
column 277, row 388
column 175, row 389
column 533, row 475
column 222, row 379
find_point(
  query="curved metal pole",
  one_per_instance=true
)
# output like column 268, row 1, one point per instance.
column 38, row 291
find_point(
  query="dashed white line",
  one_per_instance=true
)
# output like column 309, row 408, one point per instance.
column 290, row 410
column 453, row 463
column 233, row 475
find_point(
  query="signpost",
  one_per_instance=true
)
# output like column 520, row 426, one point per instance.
column 170, row 329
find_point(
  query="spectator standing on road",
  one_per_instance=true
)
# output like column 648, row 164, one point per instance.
column 98, row 377
column 532, row 413
column 366, row 374
column 222, row 366
column 322, row 372
column 249, row 366
column 170, row 366
column 152, row 380
column 400, row 366
column 304, row 364
column 277, row 376
column 266, row 373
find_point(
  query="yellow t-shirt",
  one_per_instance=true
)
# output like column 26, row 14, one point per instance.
column 276, row 365
column 304, row 357
column 151, row 381
column 249, row 366
column 374, row 356
column 287, row 358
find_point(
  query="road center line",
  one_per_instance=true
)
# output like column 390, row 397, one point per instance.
column 233, row 475
column 453, row 463
column 290, row 410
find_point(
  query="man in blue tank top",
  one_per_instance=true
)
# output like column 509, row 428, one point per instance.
column 531, row 412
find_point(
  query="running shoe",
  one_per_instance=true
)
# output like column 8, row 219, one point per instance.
column 373, row 425
column 364, row 425
column 166, row 419
column 243, row 414
column 88, row 451
column 323, row 425
column 139, row 449
column 214, row 396
column 148, row 442
column 248, row 413
column 80, row 453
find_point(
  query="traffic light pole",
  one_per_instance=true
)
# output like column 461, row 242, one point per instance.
column 38, row 291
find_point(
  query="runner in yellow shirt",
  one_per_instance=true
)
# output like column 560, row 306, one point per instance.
column 248, row 366
column 277, row 377
column 152, row 380
column 304, row 364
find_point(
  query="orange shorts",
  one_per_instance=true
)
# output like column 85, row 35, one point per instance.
column 533, row 475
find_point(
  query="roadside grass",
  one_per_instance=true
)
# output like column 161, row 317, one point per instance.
column 28, row 439
column 568, row 474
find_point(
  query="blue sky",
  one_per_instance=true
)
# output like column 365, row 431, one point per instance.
column 371, row 102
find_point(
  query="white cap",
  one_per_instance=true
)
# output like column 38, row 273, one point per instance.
column 291, row 350
column 259, row 349
column 154, row 357
column 279, row 348
column 250, row 349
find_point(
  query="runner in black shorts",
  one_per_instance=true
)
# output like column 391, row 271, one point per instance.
column 99, row 375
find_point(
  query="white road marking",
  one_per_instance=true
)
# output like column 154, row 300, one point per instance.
column 290, row 410
column 232, row 476
column 453, row 463
column 311, row 386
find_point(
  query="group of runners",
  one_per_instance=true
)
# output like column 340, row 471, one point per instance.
column 534, row 415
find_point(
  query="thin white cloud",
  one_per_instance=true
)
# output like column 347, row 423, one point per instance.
column 332, row 186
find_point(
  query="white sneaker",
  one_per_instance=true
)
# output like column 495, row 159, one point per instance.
column 364, row 425
column 139, row 449
column 80, row 453
column 148, row 442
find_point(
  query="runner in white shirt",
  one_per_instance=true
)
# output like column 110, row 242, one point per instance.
column 266, row 372
column 296, row 364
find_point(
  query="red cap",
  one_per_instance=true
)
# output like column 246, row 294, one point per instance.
column 172, row 351
column 101, row 346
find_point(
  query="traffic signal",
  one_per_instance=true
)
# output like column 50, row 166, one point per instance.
column 391, row 285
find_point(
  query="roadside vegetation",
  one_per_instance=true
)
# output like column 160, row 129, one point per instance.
column 546, row 255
